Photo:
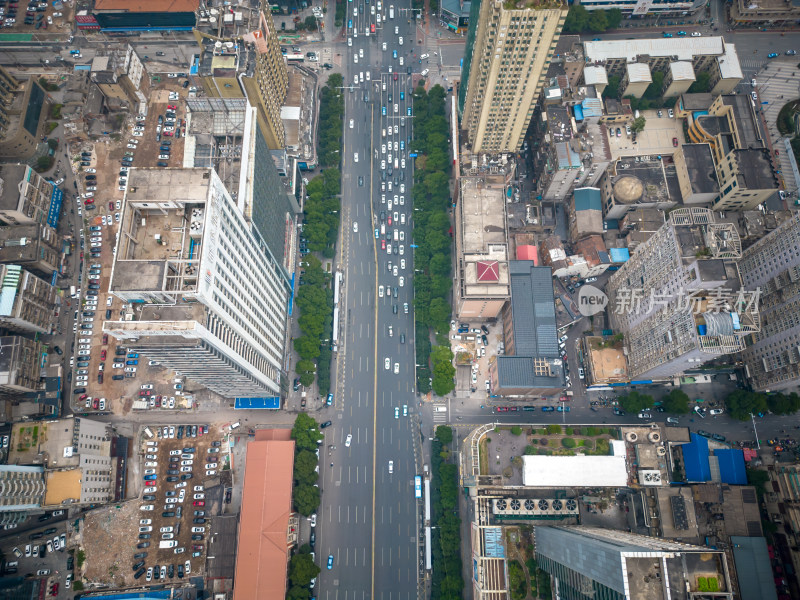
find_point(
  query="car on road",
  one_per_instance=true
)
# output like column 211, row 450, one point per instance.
column 396, row 412
column 675, row 142
column 672, row 421
column 348, row 440
column 791, row 52
column 718, row 437
column 645, row 415
column 696, row 34
column 355, row 224
column 716, row 411
column 330, row 561
column 703, row 433
column 563, row 409
column 325, row 424
column 391, row 467
column 396, row 368
column 387, row 363
column 772, row 55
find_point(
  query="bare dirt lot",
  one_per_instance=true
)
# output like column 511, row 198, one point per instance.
column 114, row 532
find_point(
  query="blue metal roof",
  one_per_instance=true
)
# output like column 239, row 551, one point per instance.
column 731, row 466
column 271, row 403
column 588, row 198
column 695, row 459
column 619, row 255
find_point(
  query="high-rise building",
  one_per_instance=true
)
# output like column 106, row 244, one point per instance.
column 588, row 563
column 678, row 300
column 23, row 112
column 21, row 489
column 772, row 266
column 243, row 59
column 27, row 302
column 509, row 47
column 19, row 365
column 207, row 300
column 27, row 198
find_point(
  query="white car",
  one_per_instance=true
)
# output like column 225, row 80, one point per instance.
column 199, row 497
column 396, row 368
column 138, row 133
column 391, row 467
column 425, row 72
column 387, row 363
column 351, row 123
column 402, row 281
column 355, row 227
column 212, row 472
column 348, row 440
column 91, row 170
column 355, row 157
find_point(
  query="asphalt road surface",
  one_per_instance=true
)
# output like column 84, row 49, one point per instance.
column 368, row 517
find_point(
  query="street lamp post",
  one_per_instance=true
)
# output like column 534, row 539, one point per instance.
column 755, row 431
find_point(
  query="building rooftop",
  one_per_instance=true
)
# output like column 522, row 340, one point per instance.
column 755, row 170
column 729, row 66
column 593, row 249
column 574, row 471
column 607, row 365
column 163, row 219
column 698, row 101
column 263, row 549
column 645, row 182
column 746, row 120
column 484, row 243
column 639, row 73
column 701, row 168
column 533, row 310
column 678, row 48
column 682, row 71
column 595, row 75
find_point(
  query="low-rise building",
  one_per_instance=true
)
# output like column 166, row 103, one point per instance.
column 122, row 79
column 764, row 13
column 482, row 274
column 585, row 214
column 629, row 184
column 531, row 363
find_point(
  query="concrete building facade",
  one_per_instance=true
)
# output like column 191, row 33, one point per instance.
column 642, row 8
column 19, row 365
column 209, row 302
column 37, row 248
column 23, row 110
column 21, row 489
column 678, row 300
column 772, row 266
column 27, row 302
column 507, row 55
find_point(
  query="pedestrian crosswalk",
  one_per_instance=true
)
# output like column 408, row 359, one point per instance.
column 440, row 413
column 751, row 66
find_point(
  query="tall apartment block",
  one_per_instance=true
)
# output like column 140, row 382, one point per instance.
column 236, row 64
column 23, row 112
column 27, row 302
column 678, row 300
column 21, row 489
column 589, row 563
column 207, row 302
column 509, row 47
column 19, row 365
column 772, row 266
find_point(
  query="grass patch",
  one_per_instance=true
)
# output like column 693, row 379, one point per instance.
column 483, row 456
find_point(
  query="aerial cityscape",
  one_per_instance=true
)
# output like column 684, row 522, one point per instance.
column 350, row 300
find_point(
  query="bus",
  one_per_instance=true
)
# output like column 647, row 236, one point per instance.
column 418, row 487
column 294, row 57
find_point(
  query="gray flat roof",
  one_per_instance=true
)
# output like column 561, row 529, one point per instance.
column 678, row 47
column 700, row 165
column 755, row 170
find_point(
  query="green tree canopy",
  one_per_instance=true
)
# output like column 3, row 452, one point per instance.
column 676, row 402
column 306, row 433
column 306, row 499
column 635, row 402
column 444, row 434
column 302, row 570
column 741, row 404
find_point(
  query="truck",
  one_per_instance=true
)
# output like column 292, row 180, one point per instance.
column 391, row 11
column 167, row 543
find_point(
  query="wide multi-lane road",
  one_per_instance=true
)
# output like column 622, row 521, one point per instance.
column 368, row 518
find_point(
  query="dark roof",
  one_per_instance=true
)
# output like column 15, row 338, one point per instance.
column 588, row 199
column 222, row 547
column 701, row 169
column 533, row 310
column 751, row 557
column 749, row 136
column 755, row 170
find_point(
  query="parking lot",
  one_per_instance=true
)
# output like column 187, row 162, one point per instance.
column 42, row 553
column 166, row 530
column 655, row 139
column 106, row 378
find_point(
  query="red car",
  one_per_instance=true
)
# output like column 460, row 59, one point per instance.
column 383, row 244
column 88, row 201
column 171, row 107
column 103, row 354
column 395, row 76
column 513, row 408
column 372, row 28
column 199, row 503
column 675, row 142
column 82, row 398
column 389, row 219
column 54, row 591
column 158, row 401
column 96, row 403
column 110, row 206
column 502, row 409
column 167, row 133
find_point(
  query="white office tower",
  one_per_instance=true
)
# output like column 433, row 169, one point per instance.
column 202, row 298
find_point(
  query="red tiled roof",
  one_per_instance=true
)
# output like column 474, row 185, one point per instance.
column 488, row 270
column 262, row 555
column 528, row 252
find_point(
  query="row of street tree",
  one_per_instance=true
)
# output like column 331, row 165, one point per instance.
column 433, row 240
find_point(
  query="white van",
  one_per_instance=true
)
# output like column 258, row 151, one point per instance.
column 147, row 432
column 395, row 235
